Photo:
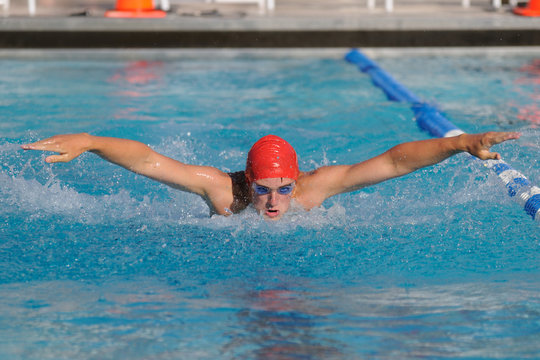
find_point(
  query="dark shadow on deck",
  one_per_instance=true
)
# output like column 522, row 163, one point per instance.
column 267, row 39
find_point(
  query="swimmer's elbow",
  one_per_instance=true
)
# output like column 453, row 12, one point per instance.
column 399, row 162
column 150, row 165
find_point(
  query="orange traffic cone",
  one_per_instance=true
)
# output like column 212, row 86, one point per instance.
column 135, row 9
column 532, row 9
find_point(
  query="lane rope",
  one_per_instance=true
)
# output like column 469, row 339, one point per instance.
column 430, row 119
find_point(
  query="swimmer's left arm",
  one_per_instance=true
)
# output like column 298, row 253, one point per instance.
column 411, row 156
column 406, row 158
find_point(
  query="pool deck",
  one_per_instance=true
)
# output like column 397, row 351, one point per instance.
column 293, row 23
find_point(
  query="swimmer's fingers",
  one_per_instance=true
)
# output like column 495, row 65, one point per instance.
column 32, row 146
column 487, row 155
column 55, row 143
column 497, row 138
column 480, row 144
column 493, row 138
column 59, row 158
column 68, row 146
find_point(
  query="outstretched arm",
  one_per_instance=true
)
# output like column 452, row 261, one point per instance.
column 136, row 157
column 400, row 160
column 407, row 157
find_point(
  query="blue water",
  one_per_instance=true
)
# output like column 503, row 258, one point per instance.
column 99, row 263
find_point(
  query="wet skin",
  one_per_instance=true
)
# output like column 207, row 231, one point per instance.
column 230, row 193
column 272, row 205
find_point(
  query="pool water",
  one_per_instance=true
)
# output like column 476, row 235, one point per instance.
column 99, row 263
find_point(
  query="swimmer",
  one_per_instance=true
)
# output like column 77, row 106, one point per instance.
column 272, row 179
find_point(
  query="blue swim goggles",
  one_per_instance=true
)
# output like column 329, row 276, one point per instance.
column 282, row 190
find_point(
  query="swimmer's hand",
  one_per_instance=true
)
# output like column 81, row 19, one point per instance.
column 479, row 144
column 68, row 146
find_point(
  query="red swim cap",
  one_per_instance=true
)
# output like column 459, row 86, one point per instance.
column 271, row 157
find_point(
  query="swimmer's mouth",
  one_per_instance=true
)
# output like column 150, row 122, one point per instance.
column 272, row 213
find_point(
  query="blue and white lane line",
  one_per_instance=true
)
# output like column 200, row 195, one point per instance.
column 429, row 118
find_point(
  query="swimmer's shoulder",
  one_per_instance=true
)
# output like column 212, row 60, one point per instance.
column 307, row 179
column 240, row 191
column 312, row 187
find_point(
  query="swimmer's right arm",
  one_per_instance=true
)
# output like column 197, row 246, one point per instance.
column 134, row 156
column 123, row 152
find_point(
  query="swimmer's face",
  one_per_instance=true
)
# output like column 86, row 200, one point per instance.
column 272, row 197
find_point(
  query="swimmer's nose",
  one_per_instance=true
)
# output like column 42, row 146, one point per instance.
column 272, row 199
